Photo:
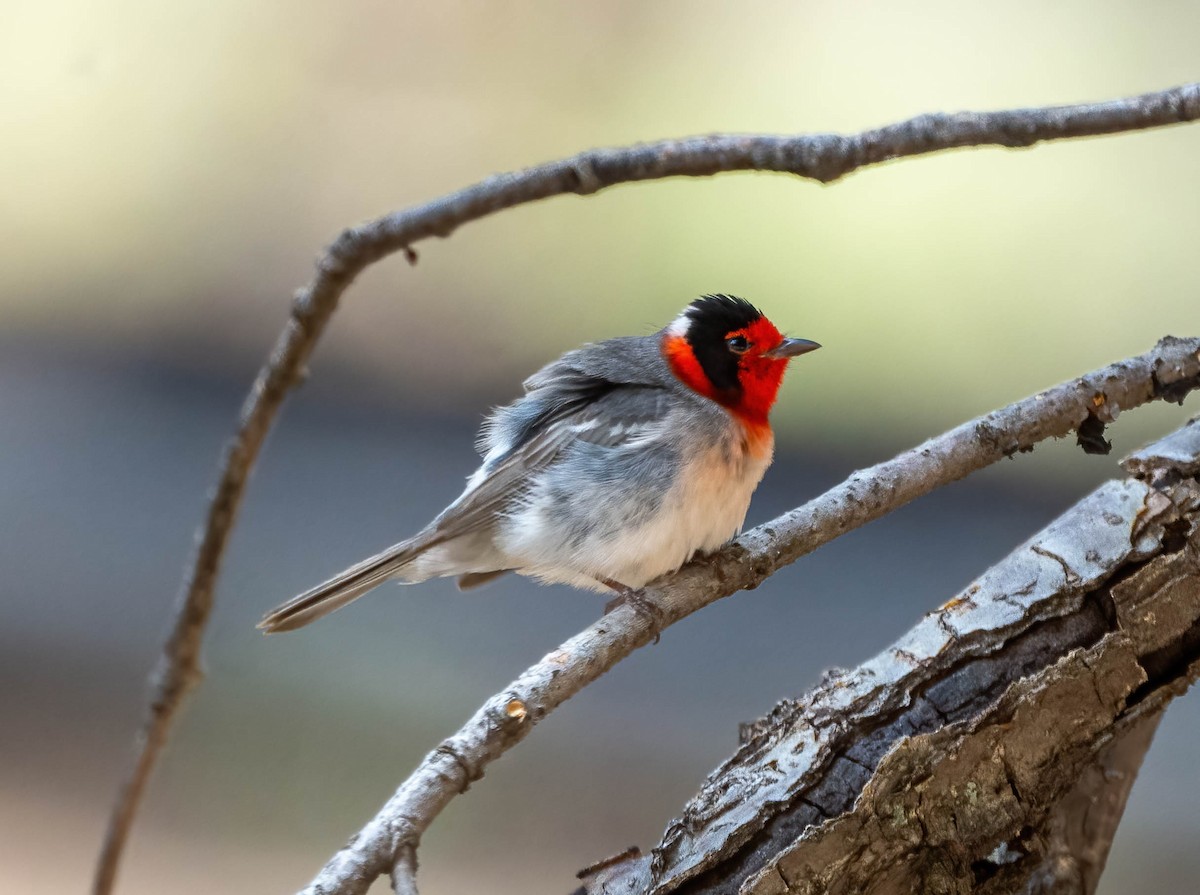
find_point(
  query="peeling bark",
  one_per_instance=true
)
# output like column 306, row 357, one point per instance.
column 992, row 749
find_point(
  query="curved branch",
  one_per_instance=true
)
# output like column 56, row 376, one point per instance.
column 821, row 157
column 1170, row 370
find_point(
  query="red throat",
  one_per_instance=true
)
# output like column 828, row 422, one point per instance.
column 759, row 377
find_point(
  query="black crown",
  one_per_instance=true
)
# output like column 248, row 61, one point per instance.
column 723, row 313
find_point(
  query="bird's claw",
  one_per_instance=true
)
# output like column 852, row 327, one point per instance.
column 637, row 601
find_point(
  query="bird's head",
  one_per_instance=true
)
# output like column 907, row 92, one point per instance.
column 725, row 349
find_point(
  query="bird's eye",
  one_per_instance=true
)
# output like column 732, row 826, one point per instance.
column 738, row 344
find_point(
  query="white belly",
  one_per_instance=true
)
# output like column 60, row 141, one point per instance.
column 704, row 509
column 704, row 512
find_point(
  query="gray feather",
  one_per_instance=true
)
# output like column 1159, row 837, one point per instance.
column 472, row 580
column 344, row 588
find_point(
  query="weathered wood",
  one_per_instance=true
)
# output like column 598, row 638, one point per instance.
column 992, row 748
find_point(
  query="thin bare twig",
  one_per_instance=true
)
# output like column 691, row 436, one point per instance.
column 404, row 872
column 1170, row 370
column 821, row 157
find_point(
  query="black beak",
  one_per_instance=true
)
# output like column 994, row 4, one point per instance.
column 791, row 348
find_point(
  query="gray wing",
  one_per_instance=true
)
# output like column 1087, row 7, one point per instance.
column 541, row 432
column 605, row 417
column 620, row 367
column 603, row 395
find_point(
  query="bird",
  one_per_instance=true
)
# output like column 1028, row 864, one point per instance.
column 623, row 460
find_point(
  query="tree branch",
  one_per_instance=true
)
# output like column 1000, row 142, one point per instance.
column 404, row 872
column 822, row 157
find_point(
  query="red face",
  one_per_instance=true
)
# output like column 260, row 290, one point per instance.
column 723, row 348
column 746, row 381
column 760, row 376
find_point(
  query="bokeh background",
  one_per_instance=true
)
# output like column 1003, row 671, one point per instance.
column 171, row 170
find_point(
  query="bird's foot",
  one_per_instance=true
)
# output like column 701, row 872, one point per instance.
column 637, row 601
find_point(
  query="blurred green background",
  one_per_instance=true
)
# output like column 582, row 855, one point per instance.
column 171, row 172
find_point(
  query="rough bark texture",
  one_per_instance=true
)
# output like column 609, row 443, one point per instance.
column 992, row 748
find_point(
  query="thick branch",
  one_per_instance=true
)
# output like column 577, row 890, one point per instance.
column 1000, row 802
column 1079, row 832
column 869, row 494
column 993, row 746
column 822, row 157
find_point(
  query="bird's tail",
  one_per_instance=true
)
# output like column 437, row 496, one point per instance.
column 344, row 588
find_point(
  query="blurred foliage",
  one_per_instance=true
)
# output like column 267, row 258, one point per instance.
column 171, row 171
column 180, row 166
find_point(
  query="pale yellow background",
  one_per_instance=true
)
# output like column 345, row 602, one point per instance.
column 170, row 172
